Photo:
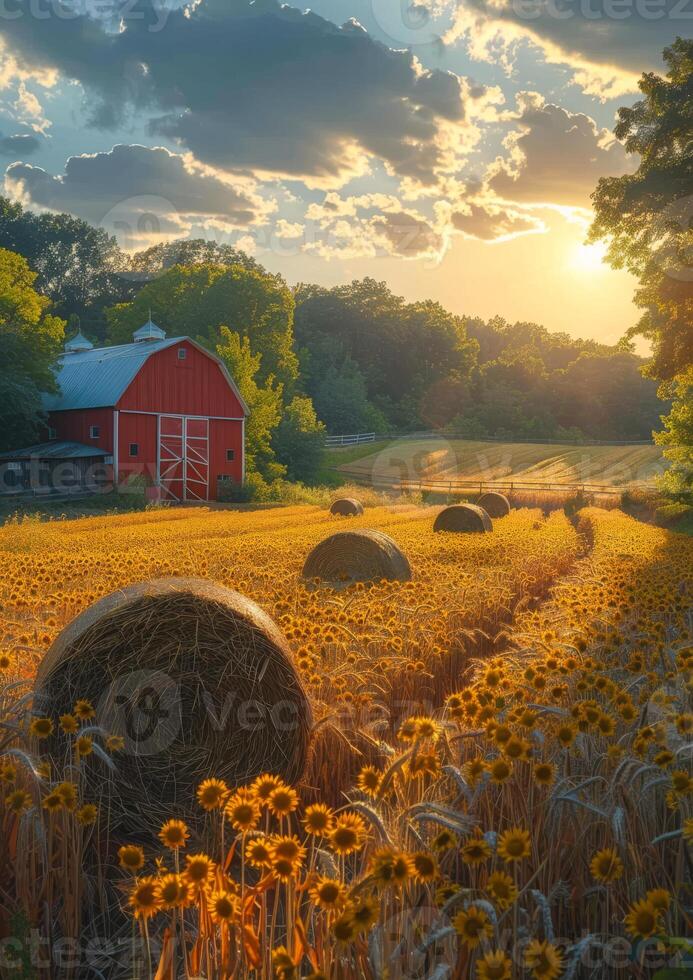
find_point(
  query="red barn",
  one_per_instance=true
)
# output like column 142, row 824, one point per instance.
column 167, row 410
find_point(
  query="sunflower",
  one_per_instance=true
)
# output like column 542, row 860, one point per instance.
column 8, row 772
column 363, row 914
column 242, row 810
column 348, row 833
column 390, row 867
column 660, row 898
column 144, row 898
column 83, row 709
column 472, row 925
column 223, row 906
column 544, row 773
column 84, row 745
column 328, row 893
column 41, row 727
column 494, row 966
column 282, row 801
column 514, row 844
column 18, row 801
column 283, row 967
column 115, row 743
column 69, row 724
column 211, row 794
column 131, row 857
column 257, row 852
column 444, row 841
column 368, row 780
column 445, row 892
column 287, row 849
column 642, row 920
column 344, row 929
column 173, row 891
column 543, row 959
column 502, row 889
column 606, row 866
column 318, row 820
column 425, row 866
column 174, row 834
column 517, row 748
column 68, row 794
column 264, row 785
column 500, row 770
column 53, row 802
column 199, row 870
column 475, row 851
column 681, row 782
column 687, row 830
column 87, row 814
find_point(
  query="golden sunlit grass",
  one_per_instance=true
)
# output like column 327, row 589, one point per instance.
column 501, row 766
column 439, row 461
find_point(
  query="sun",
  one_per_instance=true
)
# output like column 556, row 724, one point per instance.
column 589, row 258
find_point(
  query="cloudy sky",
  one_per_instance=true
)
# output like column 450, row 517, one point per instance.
column 449, row 148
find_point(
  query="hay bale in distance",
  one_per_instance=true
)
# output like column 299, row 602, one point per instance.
column 199, row 682
column 356, row 556
column 347, row 507
column 463, row 518
column 495, row 504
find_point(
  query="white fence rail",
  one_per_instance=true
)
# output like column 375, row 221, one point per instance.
column 351, row 440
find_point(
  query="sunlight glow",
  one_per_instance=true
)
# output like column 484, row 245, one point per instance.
column 589, row 258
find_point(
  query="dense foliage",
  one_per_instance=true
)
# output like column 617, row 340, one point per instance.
column 646, row 217
column 371, row 361
column 30, row 339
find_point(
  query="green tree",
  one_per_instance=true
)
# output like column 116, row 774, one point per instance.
column 78, row 267
column 152, row 262
column 199, row 299
column 677, row 436
column 264, row 399
column 30, row 339
column 299, row 440
column 647, row 219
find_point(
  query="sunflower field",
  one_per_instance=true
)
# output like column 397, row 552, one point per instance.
column 499, row 783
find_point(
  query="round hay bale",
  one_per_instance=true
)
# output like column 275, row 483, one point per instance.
column 495, row 504
column 197, row 680
column 347, row 507
column 463, row 518
column 356, row 556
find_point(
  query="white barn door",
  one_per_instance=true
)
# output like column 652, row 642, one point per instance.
column 183, row 457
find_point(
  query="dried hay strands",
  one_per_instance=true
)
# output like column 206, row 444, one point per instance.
column 356, row 556
column 495, row 504
column 347, row 507
column 463, row 518
column 199, row 682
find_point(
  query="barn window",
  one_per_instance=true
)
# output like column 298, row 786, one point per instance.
column 94, row 431
column 182, row 353
column 224, row 477
column 230, row 455
column 52, row 433
column 134, row 448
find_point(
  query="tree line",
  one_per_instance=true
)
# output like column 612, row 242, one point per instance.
column 359, row 358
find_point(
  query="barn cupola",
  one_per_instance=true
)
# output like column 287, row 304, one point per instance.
column 78, row 343
column 149, row 331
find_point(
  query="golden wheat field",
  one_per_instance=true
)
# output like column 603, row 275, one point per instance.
column 499, row 777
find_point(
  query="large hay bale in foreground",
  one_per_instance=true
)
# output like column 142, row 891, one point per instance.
column 347, row 507
column 356, row 556
column 495, row 504
column 198, row 681
column 463, row 518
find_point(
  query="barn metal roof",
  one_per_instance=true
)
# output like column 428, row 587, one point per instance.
column 98, row 378
column 55, row 450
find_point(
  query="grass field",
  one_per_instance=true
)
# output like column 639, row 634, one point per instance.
column 499, row 783
column 441, row 461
